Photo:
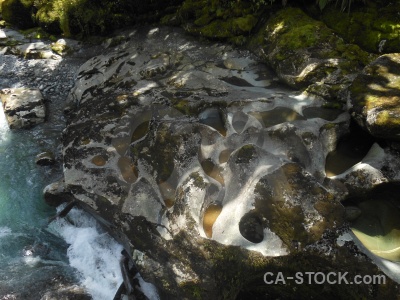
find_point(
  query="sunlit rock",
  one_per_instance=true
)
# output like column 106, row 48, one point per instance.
column 374, row 97
column 204, row 167
column 23, row 107
column 306, row 54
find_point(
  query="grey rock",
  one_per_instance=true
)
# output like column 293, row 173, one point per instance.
column 45, row 159
column 157, row 134
column 55, row 193
column 23, row 107
column 374, row 97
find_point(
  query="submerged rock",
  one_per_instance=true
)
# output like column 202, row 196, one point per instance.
column 23, row 107
column 377, row 226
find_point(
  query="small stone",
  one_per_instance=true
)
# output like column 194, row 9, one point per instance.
column 45, row 159
column 55, row 193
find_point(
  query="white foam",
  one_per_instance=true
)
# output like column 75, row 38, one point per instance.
column 148, row 289
column 93, row 253
column 4, row 231
column 3, row 124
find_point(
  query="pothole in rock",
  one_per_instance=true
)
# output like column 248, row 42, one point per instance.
column 127, row 169
column 168, row 193
column 99, row 160
column 251, row 228
column 377, row 223
column 276, row 116
column 213, row 117
column 224, row 155
column 210, row 216
column 212, row 170
column 350, row 150
column 140, row 131
column 239, row 121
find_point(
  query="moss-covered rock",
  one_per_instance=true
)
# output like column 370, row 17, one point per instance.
column 83, row 17
column 375, row 97
column 304, row 51
column 216, row 19
column 374, row 27
column 18, row 12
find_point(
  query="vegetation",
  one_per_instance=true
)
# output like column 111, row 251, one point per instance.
column 81, row 17
column 87, row 17
column 18, row 12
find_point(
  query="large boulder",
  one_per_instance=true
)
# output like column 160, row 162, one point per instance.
column 374, row 97
column 373, row 25
column 23, row 107
column 211, row 171
column 306, row 54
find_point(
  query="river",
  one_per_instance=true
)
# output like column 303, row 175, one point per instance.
column 36, row 257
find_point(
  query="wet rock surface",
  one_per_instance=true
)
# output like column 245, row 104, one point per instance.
column 207, row 164
column 45, row 159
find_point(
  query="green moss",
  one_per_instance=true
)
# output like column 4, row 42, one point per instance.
column 222, row 20
column 217, row 29
column 36, row 32
column 198, row 180
column 244, row 24
column 293, row 29
column 183, row 105
column 333, row 105
column 18, row 12
column 245, row 154
column 367, row 26
column 204, row 20
column 388, row 119
column 193, row 289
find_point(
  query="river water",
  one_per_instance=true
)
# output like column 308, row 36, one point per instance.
column 36, row 257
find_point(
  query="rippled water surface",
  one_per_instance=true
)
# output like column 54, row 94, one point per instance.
column 33, row 255
column 30, row 255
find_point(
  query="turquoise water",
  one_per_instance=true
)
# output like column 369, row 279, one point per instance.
column 30, row 255
column 33, row 254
